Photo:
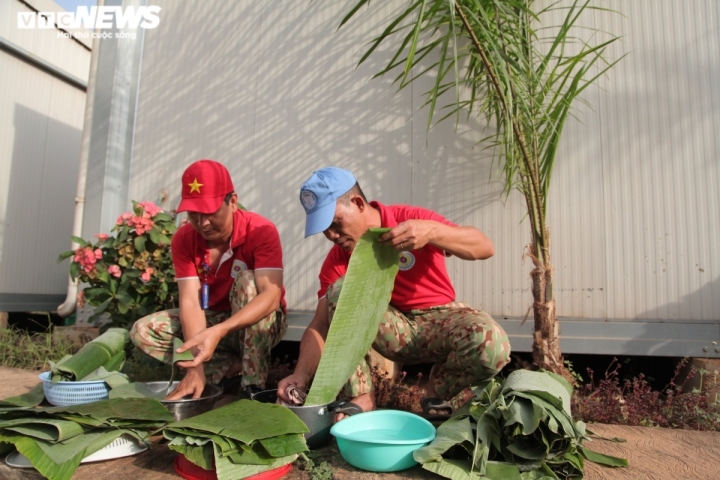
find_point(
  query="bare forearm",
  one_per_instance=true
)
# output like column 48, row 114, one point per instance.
column 313, row 341
column 467, row 243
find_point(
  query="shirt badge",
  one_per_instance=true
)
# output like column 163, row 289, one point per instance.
column 238, row 267
column 407, row 261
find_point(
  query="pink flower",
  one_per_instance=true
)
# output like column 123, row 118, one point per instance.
column 123, row 218
column 150, row 208
column 141, row 224
column 147, row 274
column 87, row 258
column 102, row 236
column 114, row 270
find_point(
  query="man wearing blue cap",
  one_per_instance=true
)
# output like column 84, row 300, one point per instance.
column 423, row 323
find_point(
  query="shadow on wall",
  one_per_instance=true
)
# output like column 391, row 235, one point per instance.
column 289, row 101
column 39, row 209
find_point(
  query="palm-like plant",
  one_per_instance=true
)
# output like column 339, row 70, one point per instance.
column 490, row 53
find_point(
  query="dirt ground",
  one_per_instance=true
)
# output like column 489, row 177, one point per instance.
column 653, row 453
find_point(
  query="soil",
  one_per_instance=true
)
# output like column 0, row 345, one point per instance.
column 653, row 453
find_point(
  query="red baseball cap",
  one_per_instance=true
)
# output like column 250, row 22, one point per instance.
column 205, row 184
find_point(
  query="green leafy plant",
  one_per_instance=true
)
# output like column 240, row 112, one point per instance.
column 130, row 274
column 503, row 62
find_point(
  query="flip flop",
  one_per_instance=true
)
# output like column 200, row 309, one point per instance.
column 443, row 410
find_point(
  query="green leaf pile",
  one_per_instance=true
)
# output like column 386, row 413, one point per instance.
column 362, row 304
column 240, row 439
column 517, row 429
column 56, row 439
column 107, row 351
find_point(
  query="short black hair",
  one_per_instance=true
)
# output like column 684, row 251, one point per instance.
column 228, row 197
column 355, row 190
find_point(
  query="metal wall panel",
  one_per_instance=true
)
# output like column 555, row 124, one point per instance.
column 41, row 117
column 272, row 90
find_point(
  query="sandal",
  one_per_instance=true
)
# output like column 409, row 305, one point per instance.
column 436, row 408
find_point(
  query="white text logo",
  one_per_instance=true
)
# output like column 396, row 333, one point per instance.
column 91, row 18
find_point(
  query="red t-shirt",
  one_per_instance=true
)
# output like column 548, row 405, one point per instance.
column 255, row 245
column 422, row 280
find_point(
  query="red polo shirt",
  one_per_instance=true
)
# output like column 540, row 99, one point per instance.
column 422, row 280
column 255, row 245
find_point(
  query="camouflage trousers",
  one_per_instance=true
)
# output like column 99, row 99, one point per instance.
column 465, row 344
column 153, row 334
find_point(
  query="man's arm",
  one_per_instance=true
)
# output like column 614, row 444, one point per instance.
column 311, row 347
column 269, row 285
column 192, row 320
column 464, row 242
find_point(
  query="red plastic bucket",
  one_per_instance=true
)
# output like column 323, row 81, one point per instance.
column 189, row 471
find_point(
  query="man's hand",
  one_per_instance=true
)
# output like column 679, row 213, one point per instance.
column 410, row 234
column 202, row 346
column 193, row 384
column 296, row 379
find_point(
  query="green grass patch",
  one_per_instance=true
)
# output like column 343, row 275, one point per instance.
column 32, row 351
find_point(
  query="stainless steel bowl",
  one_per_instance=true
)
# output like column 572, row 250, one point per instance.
column 186, row 407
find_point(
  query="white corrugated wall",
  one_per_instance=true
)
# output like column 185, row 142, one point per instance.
column 272, row 90
column 41, row 121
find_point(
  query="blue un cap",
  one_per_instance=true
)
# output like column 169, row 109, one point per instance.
column 319, row 194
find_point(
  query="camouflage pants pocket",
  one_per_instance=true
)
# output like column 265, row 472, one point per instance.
column 250, row 346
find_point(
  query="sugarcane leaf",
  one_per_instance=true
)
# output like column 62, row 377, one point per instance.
column 363, row 301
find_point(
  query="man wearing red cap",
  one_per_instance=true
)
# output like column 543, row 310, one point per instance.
column 228, row 265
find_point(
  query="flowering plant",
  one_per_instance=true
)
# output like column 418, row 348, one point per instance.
column 131, row 274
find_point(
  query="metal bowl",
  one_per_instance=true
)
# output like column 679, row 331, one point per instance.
column 186, row 407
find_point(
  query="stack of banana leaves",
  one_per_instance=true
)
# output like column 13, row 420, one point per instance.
column 240, row 439
column 519, row 428
column 99, row 359
column 56, row 439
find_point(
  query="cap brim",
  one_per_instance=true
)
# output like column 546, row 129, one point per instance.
column 200, row 205
column 319, row 220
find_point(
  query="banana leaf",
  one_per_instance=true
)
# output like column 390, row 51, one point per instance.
column 519, row 428
column 56, row 439
column 244, row 420
column 240, row 439
column 363, row 301
column 33, row 398
column 140, row 390
column 50, row 429
column 49, row 469
column 107, row 350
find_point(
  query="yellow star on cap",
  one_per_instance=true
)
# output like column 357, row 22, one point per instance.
column 195, row 186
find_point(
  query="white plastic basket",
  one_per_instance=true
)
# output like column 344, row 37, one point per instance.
column 73, row 393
